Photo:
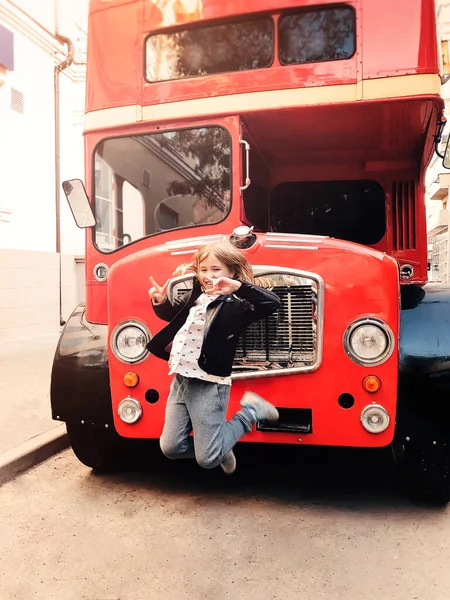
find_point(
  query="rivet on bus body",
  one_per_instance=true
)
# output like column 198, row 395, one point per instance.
column 299, row 439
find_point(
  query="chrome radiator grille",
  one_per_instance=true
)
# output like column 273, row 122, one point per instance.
column 289, row 341
column 286, row 339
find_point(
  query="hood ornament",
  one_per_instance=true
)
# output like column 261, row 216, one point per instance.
column 243, row 237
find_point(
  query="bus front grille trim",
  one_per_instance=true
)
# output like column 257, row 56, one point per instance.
column 287, row 342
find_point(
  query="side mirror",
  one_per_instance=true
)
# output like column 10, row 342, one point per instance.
column 437, row 140
column 446, row 158
column 79, row 203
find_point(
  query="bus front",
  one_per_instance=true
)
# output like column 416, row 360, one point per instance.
column 291, row 131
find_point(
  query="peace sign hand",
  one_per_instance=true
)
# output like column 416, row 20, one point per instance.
column 224, row 285
column 157, row 293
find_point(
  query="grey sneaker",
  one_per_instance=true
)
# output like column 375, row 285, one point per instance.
column 228, row 463
column 263, row 410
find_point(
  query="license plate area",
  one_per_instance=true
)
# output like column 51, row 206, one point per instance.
column 292, row 420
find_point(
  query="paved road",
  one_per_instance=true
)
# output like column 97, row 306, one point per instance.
column 25, row 368
column 335, row 529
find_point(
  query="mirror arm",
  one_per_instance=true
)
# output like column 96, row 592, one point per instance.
column 438, row 137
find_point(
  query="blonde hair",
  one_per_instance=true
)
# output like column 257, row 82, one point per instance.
column 183, row 269
column 231, row 258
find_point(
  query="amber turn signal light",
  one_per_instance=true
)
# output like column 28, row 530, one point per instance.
column 371, row 384
column 131, row 379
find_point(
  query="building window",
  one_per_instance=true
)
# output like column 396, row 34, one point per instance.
column 17, row 101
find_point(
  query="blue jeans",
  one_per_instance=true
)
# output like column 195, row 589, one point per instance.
column 201, row 406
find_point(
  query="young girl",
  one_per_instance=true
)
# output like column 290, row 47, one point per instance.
column 203, row 334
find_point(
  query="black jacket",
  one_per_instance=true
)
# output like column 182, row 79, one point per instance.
column 226, row 318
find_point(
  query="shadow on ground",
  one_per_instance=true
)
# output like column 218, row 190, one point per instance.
column 345, row 478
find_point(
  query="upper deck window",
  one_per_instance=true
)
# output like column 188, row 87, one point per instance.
column 214, row 49
column 317, row 35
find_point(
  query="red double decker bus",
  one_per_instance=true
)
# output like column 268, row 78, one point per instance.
column 301, row 132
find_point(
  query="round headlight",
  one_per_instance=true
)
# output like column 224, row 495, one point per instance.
column 374, row 418
column 369, row 342
column 129, row 341
column 130, row 411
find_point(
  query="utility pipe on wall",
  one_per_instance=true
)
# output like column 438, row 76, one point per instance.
column 57, row 70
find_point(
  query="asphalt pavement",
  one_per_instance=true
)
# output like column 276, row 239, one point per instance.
column 288, row 525
column 28, row 435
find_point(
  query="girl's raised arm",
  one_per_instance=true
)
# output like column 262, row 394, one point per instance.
column 158, row 293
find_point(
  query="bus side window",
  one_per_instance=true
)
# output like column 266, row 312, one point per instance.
column 104, row 204
column 132, row 214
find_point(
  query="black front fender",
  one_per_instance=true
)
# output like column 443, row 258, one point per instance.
column 424, row 377
column 80, row 389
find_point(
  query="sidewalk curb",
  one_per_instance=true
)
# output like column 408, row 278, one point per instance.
column 31, row 453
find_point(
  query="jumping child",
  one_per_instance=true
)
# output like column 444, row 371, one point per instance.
column 203, row 332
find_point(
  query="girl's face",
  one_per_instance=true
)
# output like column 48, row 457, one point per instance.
column 212, row 268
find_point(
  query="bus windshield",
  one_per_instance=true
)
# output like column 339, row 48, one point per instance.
column 147, row 184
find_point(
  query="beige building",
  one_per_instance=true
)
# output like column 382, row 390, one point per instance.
column 438, row 236
column 438, row 178
column 42, row 88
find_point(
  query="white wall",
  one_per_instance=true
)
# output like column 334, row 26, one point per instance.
column 27, row 149
column 29, row 294
column 29, row 264
column 70, row 13
column 27, row 152
column 41, row 10
column 71, row 159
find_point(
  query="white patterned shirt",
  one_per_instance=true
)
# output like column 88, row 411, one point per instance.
column 187, row 344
